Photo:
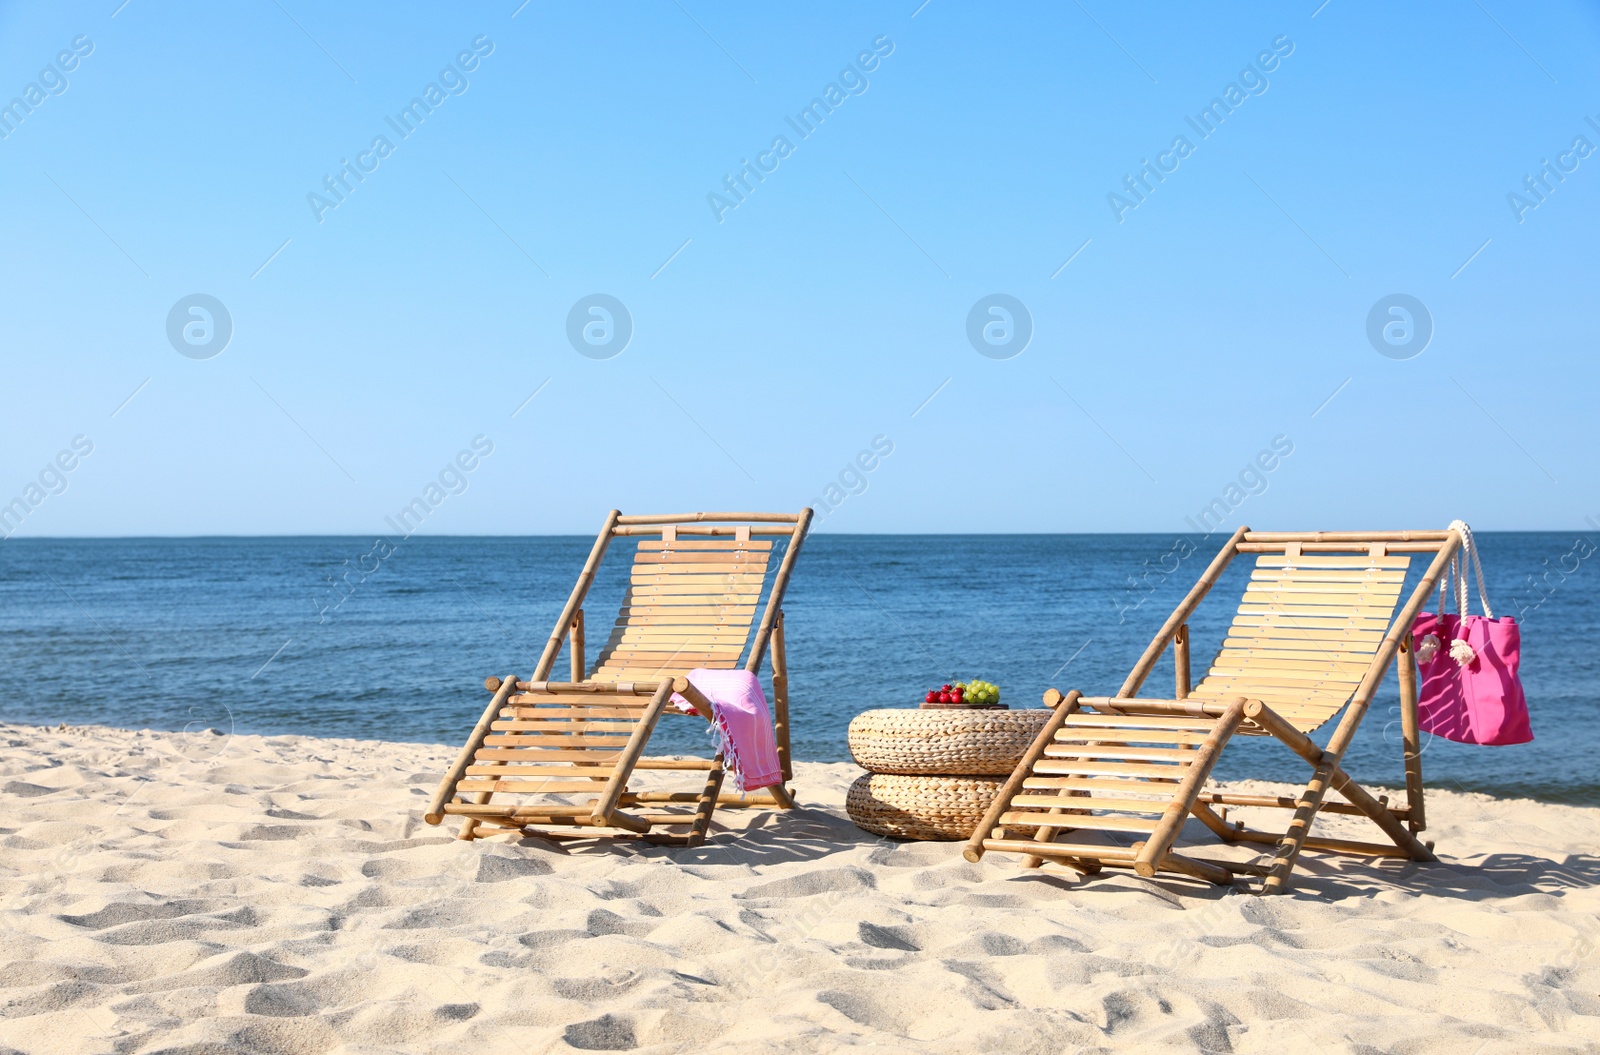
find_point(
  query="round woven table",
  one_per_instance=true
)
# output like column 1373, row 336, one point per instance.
column 931, row 774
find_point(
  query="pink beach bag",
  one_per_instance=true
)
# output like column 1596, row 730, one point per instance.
column 1471, row 691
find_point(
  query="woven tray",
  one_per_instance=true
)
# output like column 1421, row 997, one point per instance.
column 932, row 807
column 948, row 742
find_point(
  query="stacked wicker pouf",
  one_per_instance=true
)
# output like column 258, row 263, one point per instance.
column 931, row 774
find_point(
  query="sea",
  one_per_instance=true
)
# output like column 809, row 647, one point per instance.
column 358, row 637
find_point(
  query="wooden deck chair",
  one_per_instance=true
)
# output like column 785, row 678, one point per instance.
column 1315, row 633
column 556, row 757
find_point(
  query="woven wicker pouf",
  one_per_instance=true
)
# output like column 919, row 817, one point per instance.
column 926, row 807
column 948, row 742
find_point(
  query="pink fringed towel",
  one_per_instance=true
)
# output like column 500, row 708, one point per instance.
column 742, row 725
column 1471, row 685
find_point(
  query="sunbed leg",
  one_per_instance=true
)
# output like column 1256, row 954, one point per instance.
column 1358, row 796
column 1064, row 707
column 1048, row 835
column 1293, row 841
column 780, row 700
column 622, row 768
column 708, row 804
column 1043, row 835
column 1219, row 826
column 1411, row 735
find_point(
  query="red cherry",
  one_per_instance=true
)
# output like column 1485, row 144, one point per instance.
column 944, row 697
column 932, row 697
column 946, row 687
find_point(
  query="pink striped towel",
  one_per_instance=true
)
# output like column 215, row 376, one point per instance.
column 742, row 727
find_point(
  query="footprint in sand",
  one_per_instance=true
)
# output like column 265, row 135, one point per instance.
column 606, row 1033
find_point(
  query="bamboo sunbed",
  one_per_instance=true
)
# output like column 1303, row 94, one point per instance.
column 556, row 758
column 1314, row 634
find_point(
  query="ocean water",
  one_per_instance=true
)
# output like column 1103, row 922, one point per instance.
column 245, row 635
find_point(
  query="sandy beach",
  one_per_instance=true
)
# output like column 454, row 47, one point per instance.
column 204, row 893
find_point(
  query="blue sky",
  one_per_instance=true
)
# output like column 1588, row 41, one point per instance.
column 1171, row 342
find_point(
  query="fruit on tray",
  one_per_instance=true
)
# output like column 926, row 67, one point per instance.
column 973, row 693
column 983, row 693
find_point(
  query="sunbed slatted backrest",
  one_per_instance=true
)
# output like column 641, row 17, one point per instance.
column 691, row 602
column 1306, row 633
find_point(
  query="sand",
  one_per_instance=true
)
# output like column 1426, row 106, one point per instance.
column 205, row 893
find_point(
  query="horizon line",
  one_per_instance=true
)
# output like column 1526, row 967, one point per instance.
column 813, row 532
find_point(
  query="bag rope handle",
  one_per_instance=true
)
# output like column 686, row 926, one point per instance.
column 1470, row 550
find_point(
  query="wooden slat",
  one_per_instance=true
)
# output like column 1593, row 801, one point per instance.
column 1284, row 676
column 1060, row 749
column 600, row 712
column 563, row 741
column 688, row 608
column 716, row 560
column 568, row 718
column 1265, row 659
column 681, row 593
column 1068, row 820
column 1099, row 721
column 1278, row 560
column 1287, row 624
column 713, row 635
column 704, row 545
column 1089, row 802
column 658, row 649
column 651, row 665
column 1064, row 766
column 1251, row 684
column 1362, row 577
column 1121, row 855
column 711, row 564
column 712, row 620
column 663, row 661
column 546, row 787
column 552, row 810
column 716, row 567
column 662, row 625
column 1328, row 582
column 707, row 582
column 1381, row 614
column 539, row 755
column 1259, row 688
column 1131, row 736
column 1315, row 652
column 1341, row 681
column 695, row 593
column 643, row 673
column 1365, row 641
column 578, row 699
column 1161, row 789
column 556, row 771
column 1364, row 599
column 587, row 724
column 565, row 731
column 668, row 650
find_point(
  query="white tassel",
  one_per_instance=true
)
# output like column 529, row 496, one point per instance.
column 1427, row 648
column 1462, row 652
